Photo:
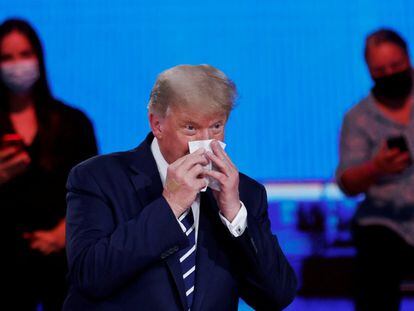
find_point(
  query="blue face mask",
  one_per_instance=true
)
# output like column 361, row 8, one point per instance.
column 20, row 76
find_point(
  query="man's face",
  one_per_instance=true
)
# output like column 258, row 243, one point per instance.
column 181, row 125
column 386, row 59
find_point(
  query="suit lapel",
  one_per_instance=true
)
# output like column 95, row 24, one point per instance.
column 148, row 186
column 145, row 177
column 206, row 249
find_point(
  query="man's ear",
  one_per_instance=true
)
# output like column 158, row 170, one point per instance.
column 156, row 125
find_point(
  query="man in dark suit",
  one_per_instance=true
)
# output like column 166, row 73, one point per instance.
column 143, row 235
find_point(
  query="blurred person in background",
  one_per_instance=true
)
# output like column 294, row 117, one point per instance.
column 41, row 139
column 376, row 156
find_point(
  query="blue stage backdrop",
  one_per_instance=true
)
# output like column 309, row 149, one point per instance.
column 298, row 66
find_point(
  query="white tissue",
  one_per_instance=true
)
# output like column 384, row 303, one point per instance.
column 197, row 144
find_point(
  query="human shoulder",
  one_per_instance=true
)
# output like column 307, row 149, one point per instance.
column 361, row 118
column 360, row 110
column 101, row 166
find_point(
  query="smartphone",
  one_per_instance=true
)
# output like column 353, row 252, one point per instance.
column 9, row 140
column 397, row 142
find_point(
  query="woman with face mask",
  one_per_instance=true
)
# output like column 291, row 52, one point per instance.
column 41, row 139
column 376, row 159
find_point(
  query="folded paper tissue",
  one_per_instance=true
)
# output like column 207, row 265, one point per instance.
column 197, row 144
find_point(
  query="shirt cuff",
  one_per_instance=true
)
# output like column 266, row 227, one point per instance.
column 239, row 223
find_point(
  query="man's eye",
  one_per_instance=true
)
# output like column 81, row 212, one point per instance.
column 190, row 127
column 217, row 126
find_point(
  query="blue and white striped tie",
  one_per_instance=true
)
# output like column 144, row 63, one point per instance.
column 188, row 256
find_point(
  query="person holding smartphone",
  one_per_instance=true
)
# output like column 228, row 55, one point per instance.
column 13, row 158
column 41, row 139
column 376, row 155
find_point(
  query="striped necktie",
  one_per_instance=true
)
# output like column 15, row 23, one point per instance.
column 188, row 256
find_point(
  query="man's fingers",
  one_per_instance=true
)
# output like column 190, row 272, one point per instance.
column 219, row 163
column 195, row 178
column 178, row 162
column 220, row 177
column 219, row 151
column 197, row 157
column 195, row 171
column 200, row 183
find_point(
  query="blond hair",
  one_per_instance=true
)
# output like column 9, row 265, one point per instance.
column 201, row 86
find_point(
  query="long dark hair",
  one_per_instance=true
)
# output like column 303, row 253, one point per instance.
column 44, row 102
column 41, row 92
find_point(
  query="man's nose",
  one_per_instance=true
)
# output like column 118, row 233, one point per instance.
column 203, row 134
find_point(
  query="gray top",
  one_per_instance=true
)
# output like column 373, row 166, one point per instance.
column 389, row 202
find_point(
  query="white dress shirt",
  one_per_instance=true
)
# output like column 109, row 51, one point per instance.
column 236, row 227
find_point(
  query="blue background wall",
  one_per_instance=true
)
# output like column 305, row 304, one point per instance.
column 298, row 66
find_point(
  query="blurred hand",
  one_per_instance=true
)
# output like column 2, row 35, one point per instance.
column 227, row 198
column 391, row 161
column 184, row 181
column 47, row 241
column 13, row 161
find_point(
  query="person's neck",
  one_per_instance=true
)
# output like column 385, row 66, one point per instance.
column 20, row 102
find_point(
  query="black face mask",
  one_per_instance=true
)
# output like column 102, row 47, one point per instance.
column 395, row 87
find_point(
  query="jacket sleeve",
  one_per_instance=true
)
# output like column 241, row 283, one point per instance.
column 267, row 281
column 103, row 254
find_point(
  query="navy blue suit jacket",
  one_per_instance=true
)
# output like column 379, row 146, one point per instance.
column 123, row 242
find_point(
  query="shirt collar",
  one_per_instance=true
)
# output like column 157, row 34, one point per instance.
column 162, row 164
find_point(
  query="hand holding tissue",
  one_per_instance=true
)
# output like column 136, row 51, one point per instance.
column 197, row 144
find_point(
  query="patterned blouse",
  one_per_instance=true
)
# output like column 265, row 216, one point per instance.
column 389, row 202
